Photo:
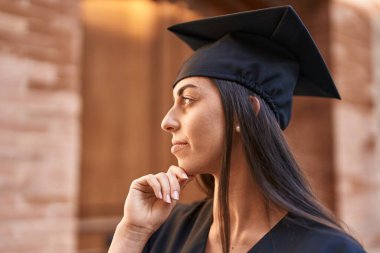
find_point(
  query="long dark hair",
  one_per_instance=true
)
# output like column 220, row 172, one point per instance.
column 270, row 160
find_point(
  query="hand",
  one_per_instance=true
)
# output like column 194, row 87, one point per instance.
column 151, row 198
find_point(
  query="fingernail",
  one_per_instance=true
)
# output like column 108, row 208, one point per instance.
column 175, row 195
column 168, row 198
column 184, row 176
column 160, row 195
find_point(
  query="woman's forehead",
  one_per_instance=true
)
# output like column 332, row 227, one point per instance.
column 197, row 82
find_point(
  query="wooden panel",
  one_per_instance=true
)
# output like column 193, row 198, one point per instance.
column 130, row 62
column 115, row 105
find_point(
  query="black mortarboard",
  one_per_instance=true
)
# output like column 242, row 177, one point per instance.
column 268, row 51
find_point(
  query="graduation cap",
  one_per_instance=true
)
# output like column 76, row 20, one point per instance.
column 268, row 51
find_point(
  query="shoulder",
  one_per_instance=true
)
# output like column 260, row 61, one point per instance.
column 318, row 238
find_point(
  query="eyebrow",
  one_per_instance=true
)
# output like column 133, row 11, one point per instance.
column 183, row 88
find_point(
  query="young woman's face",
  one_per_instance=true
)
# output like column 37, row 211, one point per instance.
column 196, row 122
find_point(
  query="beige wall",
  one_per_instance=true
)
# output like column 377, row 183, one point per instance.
column 40, row 44
column 355, row 45
column 130, row 61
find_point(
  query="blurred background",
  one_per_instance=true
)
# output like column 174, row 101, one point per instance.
column 84, row 85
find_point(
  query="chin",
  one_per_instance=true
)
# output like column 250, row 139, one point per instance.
column 193, row 168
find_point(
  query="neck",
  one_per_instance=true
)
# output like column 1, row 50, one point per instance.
column 250, row 214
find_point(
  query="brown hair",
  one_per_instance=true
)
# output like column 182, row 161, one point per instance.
column 270, row 160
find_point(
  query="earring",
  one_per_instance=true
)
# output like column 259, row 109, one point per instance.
column 238, row 129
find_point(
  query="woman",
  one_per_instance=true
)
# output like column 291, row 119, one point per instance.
column 232, row 99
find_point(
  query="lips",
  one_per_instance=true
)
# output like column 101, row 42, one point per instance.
column 177, row 146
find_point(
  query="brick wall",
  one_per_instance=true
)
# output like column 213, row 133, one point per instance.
column 355, row 41
column 40, row 43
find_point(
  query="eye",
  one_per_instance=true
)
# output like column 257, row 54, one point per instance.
column 187, row 100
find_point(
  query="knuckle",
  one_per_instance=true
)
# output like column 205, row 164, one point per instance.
column 134, row 182
column 170, row 173
column 171, row 176
column 161, row 174
column 172, row 179
column 164, row 179
column 172, row 168
column 150, row 179
column 176, row 169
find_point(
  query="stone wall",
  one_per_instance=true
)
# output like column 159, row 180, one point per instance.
column 40, row 44
column 356, row 62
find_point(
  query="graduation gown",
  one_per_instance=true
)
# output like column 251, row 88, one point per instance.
column 186, row 231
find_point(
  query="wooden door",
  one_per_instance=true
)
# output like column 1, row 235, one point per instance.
column 129, row 63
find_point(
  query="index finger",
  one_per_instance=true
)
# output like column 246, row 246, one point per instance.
column 178, row 172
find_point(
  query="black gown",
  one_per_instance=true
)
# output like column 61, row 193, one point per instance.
column 186, row 231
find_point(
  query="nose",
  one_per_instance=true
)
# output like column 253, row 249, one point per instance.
column 170, row 122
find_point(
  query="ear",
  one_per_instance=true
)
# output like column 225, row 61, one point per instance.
column 255, row 104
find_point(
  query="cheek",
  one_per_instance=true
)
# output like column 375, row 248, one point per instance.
column 211, row 134
column 206, row 136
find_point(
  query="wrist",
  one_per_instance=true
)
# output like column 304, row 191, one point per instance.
column 132, row 232
column 129, row 238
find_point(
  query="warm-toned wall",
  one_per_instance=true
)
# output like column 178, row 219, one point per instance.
column 40, row 43
column 355, row 53
column 129, row 62
column 310, row 131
